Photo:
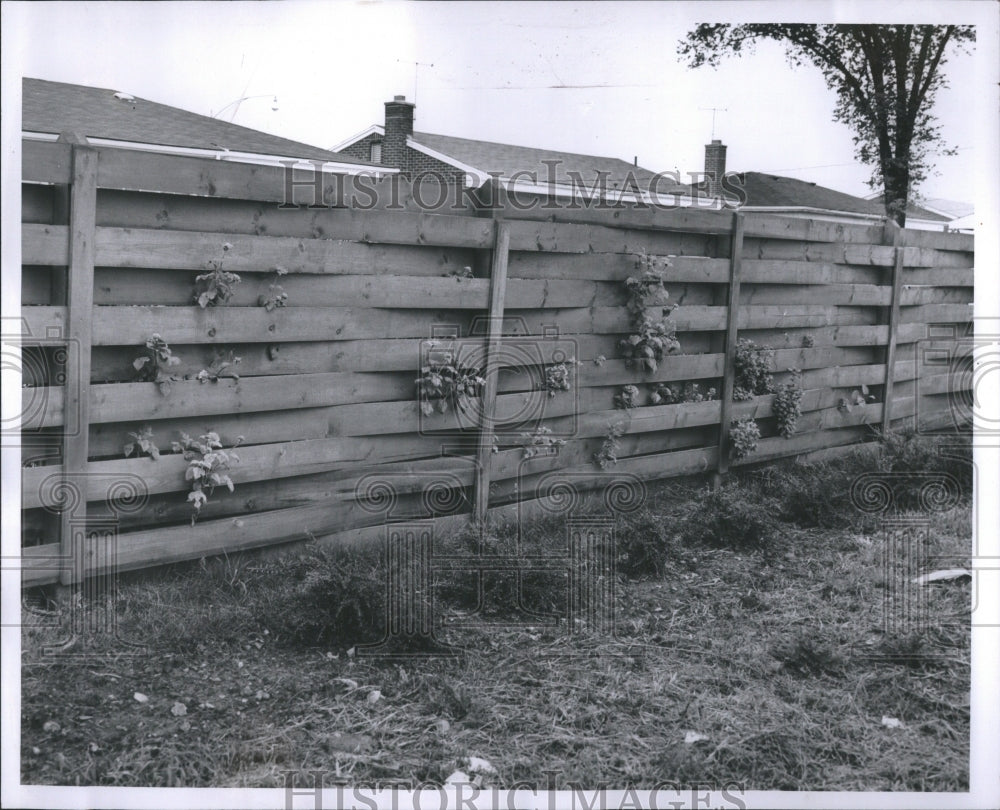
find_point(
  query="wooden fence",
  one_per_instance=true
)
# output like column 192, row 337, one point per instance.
column 112, row 241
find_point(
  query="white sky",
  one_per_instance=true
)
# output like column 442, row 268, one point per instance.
column 332, row 65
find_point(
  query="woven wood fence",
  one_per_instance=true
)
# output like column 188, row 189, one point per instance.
column 112, row 243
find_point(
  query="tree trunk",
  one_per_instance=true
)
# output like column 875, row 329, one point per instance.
column 896, row 194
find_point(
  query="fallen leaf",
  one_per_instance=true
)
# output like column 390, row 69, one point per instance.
column 51, row 727
column 478, row 765
column 944, row 575
column 351, row 743
column 140, row 698
column 458, row 778
column 891, row 722
column 691, row 737
column 178, row 709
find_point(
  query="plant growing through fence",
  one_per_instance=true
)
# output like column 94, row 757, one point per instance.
column 443, row 383
column 220, row 367
column 540, row 443
column 607, row 456
column 664, row 394
column 557, row 376
column 859, row 397
column 787, row 404
column 142, row 442
column 217, row 285
column 743, row 437
column 648, row 302
column 151, row 367
column 752, row 367
column 208, row 467
column 465, row 272
column 276, row 295
column 627, row 398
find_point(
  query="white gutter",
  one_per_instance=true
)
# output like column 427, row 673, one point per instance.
column 613, row 195
column 803, row 209
column 475, row 178
column 335, row 167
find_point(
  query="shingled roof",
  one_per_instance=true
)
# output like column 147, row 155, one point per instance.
column 773, row 191
column 508, row 160
column 56, row 107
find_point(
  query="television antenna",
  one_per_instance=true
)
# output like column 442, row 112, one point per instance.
column 416, row 73
column 714, row 111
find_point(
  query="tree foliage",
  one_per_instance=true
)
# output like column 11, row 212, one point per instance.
column 885, row 78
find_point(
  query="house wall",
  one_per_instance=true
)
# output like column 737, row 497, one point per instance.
column 414, row 162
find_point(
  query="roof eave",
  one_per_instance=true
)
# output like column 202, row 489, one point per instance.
column 221, row 154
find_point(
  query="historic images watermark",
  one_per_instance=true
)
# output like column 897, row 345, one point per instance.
column 952, row 367
column 582, row 569
column 309, row 790
column 453, row 374
column 87, row 560
column 538, row 403
column 548, row 189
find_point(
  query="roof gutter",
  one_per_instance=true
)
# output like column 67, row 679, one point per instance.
column 224, row 154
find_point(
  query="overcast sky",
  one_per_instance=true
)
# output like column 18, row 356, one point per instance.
column 598, row 78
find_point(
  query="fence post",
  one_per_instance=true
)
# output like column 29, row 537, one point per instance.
column 79, row 316
column 498, row 290
column 732, row 329
column 890, row 353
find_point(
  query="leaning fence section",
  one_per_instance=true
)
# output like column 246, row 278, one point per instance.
column 531, row 346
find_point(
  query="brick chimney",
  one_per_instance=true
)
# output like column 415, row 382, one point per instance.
column 715, row 167
column 398, row 125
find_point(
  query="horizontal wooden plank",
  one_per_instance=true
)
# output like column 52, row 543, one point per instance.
column 941, row 276
column 939, row 240
column 775, row 271
column 121, row 402
column 840, row 294
column 936, row 313
column 642, row 216
column 772, row 226
column 613, row 267
column 114, row 364
column 318, row 184
column 777, row 447
column 257, row 463
column 148, row 248
column 874, row 255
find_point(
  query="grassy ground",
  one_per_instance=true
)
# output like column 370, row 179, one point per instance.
column 751, row 617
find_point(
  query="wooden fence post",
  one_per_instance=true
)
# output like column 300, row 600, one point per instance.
column 79, row 316
column 498, row 290
column 732, row 329
column 890, row 353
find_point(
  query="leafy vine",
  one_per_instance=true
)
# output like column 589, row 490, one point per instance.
column 648, row 303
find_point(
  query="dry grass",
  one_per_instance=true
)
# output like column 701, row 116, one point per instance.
column 772, row 650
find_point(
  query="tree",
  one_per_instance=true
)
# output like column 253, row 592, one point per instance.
column 885, row 78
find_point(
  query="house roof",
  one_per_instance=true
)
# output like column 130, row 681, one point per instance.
column 939, row 210
column 773, row 191
column 508, row 160
column 56, row 107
